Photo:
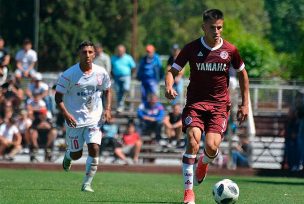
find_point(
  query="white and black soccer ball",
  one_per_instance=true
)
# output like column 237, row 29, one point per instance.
column 225, row 192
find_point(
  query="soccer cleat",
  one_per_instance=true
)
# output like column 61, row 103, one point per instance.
column 87, row 188
column 66, row 164
column 201, row 170
column 189, row 197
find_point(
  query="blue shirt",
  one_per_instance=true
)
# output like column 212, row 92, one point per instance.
column 149, row 68
column 122, row 66
column 156, row 111
column 110, row 130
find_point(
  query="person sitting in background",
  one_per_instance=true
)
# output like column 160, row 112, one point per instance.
column 42, row 133
column 35, row 105
column 26, row 59
column 10, row 139
column 4, row 61
column 241, row 155
column 173, row 124
column 110, row 132
column 11, row 91
column 23, row 124
column 151, row 115
column 132, row 142
column 37, row 86
column 149, row 72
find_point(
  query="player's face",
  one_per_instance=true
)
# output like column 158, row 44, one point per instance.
column 213, row 30
column 87, row 55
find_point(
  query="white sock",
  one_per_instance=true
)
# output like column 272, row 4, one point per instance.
column 207, row 158
column 68, row 155
column 188, row 172
column 91, row 168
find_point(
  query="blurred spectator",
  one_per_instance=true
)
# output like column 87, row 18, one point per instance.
column 291, row 158
column 11, row 91
column 178, row 81
column 151, row 115
column 35, row 105
column 300, row 136
column 26, row 59
column 122, row 67
column 241, row 155
column 23, row 124
column 132, row 142
column 149, row 72
column 173, row 124
column 110, row 132
column 4, row 61
column 102, row 59
column 10, row 139
column 37, row 86
column 43, row 134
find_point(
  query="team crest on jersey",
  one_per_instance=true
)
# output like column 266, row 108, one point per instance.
column 188, row 120
column 224, row 54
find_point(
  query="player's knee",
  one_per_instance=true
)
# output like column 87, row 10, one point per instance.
column 93, row 150
column 76, row 155
column 211, row 149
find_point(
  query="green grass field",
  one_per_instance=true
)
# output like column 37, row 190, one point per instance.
column 29, row 186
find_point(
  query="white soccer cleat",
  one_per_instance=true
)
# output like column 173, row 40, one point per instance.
column 87, row 188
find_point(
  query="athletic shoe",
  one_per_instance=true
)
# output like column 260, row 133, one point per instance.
column 189, row 197
column 87, row 188
column 201, row 170
column 66, row 164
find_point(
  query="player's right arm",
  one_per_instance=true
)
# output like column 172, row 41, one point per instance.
column 70, row 120
column 170, row 92
column 180, row 61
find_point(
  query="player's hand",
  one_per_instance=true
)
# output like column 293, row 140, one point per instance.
column 242, row 114
column 107, row 115
column 170, row 93
column 70, row 120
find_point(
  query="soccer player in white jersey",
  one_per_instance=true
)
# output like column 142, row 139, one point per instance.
column 78, row 96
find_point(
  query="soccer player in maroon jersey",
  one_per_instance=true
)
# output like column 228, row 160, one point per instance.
column 210, row 58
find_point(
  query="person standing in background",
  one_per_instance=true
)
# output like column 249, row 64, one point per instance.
column 102, row 59
column 123, row 66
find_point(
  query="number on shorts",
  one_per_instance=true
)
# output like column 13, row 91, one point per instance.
column 75, row 144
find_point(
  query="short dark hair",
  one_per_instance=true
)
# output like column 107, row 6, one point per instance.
column 212, row 14
column 84, row 44
column 27, row 41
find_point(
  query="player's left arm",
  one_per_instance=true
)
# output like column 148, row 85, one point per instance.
column 108, row 105
column 244, row 87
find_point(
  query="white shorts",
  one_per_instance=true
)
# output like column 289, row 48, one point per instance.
column 75, row 137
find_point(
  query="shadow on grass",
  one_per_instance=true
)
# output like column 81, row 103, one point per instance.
column 293, row 183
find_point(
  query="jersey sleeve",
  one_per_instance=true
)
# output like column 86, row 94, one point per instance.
column 237, row 62
column 181, row 59
column 106, row 84
column 63, row 84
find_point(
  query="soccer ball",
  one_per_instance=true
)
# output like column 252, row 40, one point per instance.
column 225, row 192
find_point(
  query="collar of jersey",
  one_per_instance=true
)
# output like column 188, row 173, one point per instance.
column 212, row 48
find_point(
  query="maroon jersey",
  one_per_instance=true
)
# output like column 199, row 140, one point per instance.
column 209, row 71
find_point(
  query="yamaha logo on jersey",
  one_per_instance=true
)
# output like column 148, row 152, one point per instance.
column 224, row 54
column 188, row 120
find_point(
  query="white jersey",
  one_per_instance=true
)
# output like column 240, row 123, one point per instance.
column 82, row 93
column 8, row 131
column 26, row 58
column 42, row 87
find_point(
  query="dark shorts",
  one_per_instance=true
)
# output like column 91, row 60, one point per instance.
column 209, row 118
column 109, row 144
